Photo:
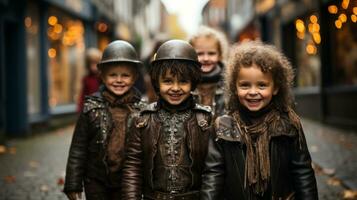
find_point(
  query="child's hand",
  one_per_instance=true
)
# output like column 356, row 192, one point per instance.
column 74, row 195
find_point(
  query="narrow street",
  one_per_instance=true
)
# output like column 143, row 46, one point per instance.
column 34, row 168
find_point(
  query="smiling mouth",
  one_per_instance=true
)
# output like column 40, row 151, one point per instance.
column 175, row 96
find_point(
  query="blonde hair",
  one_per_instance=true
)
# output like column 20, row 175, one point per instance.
column 268, row 59
column 222, row 43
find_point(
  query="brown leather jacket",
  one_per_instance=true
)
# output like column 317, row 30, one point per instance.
column 142, row 148
column 87, row 155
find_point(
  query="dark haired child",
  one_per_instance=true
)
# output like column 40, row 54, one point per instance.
column 211, row 47
column 259, row 151
column 97, row 151
column 168, row 144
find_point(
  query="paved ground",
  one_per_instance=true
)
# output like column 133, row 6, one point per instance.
column 33, row 168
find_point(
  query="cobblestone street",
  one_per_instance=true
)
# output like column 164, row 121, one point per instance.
column 33, row 168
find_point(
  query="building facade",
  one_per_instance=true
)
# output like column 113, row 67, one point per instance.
column 320, row 39
column 42, row 47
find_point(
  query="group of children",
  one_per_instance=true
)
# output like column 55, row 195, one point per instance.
column 251, row 147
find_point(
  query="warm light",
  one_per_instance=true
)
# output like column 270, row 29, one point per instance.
column 299, row 24
column 28, row 22
column 311, row 49
column 345, row 4
column 52, row 20
column 354, row 10
column 354, row 18
column 57, row 28
column 316, row 37
column 313, row 18
column 338, row 24
column 102, row 27
column 342, row 18
column 52, row 53
column 300, row 35
column 332, row 9
column 314, row 28
column 53, row 102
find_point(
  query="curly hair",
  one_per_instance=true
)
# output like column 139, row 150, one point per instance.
column 183, row 69
column 222, row 42
column 268, row 59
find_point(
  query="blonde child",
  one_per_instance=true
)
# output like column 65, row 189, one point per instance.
column 259, row 151
column 211, row 47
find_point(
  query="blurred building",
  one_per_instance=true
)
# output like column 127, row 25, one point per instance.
column 320, row 39
column 234, row 17
column 42, row 46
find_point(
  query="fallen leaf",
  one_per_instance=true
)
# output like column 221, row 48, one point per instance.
column 329, row 171
column 10, row 179
column 350, row 194
column 12, row 150
column 334, row 181
column 44, row 188
column 317, row 168
column 60, row 181
column 2, row 149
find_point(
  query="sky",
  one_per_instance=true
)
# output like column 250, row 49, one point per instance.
column 188, row 12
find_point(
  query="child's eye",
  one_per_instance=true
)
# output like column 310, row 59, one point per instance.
column 262, row 85
column 244, row 85
column 125, row 75
column 113, row 75
column 167, row 81
column 184, row 81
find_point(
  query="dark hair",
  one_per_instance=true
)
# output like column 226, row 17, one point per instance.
column 183, row 69
column 268, row 59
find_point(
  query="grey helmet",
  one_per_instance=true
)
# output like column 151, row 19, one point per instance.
column 176, row 50
column 119, row 51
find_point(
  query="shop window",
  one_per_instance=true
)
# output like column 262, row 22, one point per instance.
column 343, row 26
column 66, row 57
column 31, row 23
column 307, row 50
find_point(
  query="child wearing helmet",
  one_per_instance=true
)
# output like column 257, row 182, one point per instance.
column 168, row 143
column 97, row 151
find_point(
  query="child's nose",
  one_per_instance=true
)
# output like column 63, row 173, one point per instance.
column 253, row 91
column 175, row 86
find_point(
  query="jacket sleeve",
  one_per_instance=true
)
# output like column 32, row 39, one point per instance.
column 213, row 174
column 302, row 172
column 132, row 170
column 77, row 157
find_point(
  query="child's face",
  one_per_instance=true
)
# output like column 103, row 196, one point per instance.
column 255, row 89
column 207, row 51
column 118, row 78
column 174, row 90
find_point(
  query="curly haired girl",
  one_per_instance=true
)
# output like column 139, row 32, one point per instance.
column 259, row 150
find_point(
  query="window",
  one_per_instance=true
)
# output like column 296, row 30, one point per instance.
column 307, row 53
column 343, row 26
column 65, row 57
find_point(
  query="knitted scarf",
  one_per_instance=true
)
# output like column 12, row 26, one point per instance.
column 256, row 136
column 119, row 107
